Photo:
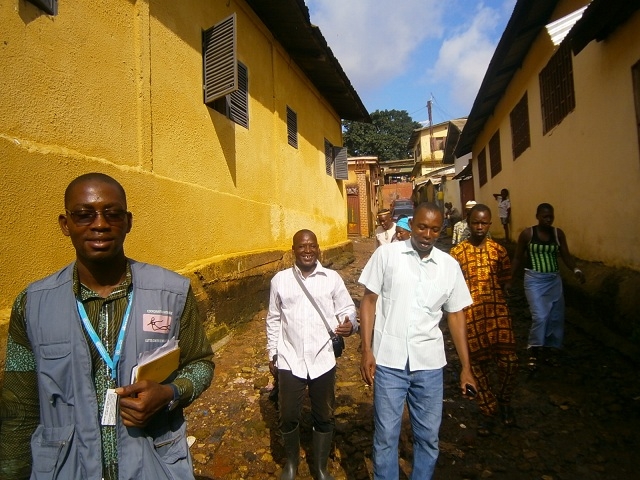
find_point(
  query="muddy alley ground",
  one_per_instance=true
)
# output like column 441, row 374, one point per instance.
column 579, row 419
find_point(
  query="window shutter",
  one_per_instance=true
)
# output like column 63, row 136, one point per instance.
column 482, row 167
column 49, row 6
column 219, row 58
column 342, row 169
column 292, row 127
column 328, row 157
column 239, row 109
column 495, row 154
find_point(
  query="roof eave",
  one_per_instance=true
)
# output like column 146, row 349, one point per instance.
column 290, row 24
column 526, row 22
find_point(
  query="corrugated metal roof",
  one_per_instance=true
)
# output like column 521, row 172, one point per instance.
column 290, row 24
column 559, row 29
column 527, row 19
column 599, row 20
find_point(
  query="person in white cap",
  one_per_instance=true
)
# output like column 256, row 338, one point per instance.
column 461, row 229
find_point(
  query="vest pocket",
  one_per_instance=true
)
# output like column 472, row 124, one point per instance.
column 50, row 449
column 172, row 446
column 55, row 373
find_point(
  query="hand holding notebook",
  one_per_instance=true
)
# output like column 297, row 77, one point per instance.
column 157, row 365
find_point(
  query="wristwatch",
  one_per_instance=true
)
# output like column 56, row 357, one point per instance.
column 176, row 398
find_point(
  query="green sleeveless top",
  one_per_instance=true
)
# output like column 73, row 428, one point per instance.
column 543, row 256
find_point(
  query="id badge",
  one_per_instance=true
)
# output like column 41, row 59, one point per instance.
column 110, row 407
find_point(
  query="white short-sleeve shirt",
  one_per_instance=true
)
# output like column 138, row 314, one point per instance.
column 412, row 294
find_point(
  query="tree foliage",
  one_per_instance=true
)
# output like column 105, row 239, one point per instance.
column 386, row 137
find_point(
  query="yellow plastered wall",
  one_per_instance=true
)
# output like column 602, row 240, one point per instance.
column 116, row 86
column 588, row 166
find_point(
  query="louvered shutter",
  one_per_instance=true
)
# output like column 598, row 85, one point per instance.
column 49, row 6
column 341, row 164
column 219, row 58
column 328, row 157
column 239, row 108
column 292, row 127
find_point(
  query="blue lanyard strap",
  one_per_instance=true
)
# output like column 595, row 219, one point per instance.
column 112, row 364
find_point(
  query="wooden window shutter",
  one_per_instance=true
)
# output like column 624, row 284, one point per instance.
column 495, row 155
column 557, row 96
column 239, row 104
column 328, row 157
column 482, row 167
column 341, row 164
column 219, row 58
column 635, row 73
column 292, row 127
column 520, row 135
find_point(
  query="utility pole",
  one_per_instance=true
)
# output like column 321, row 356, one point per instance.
column 433, row 155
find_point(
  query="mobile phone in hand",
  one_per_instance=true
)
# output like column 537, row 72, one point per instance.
column 470, row 391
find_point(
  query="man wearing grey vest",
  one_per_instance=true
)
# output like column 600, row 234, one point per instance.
column 69, row 407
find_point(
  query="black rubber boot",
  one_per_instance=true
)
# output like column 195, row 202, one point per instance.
column 292, row 450
column 321, row 449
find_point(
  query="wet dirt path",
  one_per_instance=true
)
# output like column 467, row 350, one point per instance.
column 576, row 420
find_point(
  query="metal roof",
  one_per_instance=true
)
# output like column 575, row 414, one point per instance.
column 599, row 20
column 290, row 24
column 527, row 19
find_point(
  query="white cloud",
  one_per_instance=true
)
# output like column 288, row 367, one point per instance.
column 464, row 56
column 373, row 41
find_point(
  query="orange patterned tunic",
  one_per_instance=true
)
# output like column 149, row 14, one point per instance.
column 486, row 270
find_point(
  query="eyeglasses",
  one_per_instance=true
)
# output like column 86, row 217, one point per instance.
column 87, row 217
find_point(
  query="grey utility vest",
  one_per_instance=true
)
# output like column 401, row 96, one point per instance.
column 67, row 444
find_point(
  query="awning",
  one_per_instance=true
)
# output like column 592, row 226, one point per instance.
column 465, row 173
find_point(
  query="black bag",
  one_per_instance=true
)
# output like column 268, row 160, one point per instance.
column 338, row 345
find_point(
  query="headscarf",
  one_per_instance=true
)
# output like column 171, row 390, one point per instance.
column 404, row 223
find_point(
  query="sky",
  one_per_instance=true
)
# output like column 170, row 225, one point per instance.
column 399, row 54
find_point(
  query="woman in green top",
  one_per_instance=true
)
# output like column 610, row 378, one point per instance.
column 542, row 244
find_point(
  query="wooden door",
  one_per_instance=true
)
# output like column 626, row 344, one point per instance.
column 353, row 214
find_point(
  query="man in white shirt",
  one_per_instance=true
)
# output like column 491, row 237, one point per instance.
column 386, row 228
column 300, row 348
column 402, row 345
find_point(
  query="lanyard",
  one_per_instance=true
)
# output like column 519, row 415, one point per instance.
column 96, row 339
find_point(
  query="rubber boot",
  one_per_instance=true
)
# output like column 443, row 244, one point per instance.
column 292, row 451
column 321, row 449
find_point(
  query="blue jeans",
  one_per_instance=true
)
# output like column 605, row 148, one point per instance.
column 423, row 391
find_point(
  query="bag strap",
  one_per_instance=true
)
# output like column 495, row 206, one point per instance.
column 313, row 302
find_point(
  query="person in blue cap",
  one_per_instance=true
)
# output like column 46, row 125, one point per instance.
column 403, row 230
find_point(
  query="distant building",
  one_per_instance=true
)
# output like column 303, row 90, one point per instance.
column 363, row 195
column 433, row 148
